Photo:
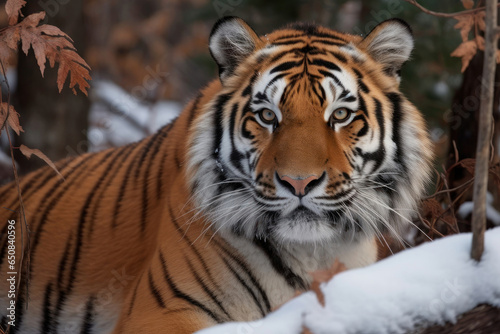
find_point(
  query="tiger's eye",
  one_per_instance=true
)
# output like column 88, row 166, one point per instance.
column 341, row 114
column 267, row 116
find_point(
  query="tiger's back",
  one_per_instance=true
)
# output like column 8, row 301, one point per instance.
column 303, row 152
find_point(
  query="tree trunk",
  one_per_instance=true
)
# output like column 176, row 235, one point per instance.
column 54, row 123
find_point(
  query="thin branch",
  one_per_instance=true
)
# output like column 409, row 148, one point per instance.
column 448, row 15
column 25, row 261
column 484, row 132
column 450, row 190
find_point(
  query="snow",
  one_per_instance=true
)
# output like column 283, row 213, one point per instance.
column 491, row 213
column 429, row 284
column 118, row 118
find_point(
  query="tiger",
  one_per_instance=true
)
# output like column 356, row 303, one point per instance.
column 302, row 152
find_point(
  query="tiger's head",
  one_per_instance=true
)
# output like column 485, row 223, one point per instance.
column 308, row 138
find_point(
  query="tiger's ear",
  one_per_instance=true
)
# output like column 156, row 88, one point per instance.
column 231, row 41
column 390, row 43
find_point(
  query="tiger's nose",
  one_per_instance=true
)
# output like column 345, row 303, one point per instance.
column 300, row 186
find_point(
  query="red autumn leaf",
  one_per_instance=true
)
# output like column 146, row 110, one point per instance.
column 13, row 10
column 466, row 51
column 9, row 115
column 28, row 152
column 464, row 23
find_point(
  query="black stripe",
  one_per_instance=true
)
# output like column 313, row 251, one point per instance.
column 286, row 66
column 289, row 42
column 134, row 295
column 191, row 115
column 154, row 291
column 244, row 267
column 339, row 57
column 248, row 89
column 361, row 84
column 327, row 42
column 192, row 247
column 245, row 285
column 397, row 117
column 145, row 150
column 334, row 78
column 274, row 257
column 159, row 140
column 36, row 182
column 379, row 155
column 325, row 63
column 206, row 288
column 363, row 131
column 362, row 105
column 181, row 295
column 218, row 126
column 78, row 242
column 55, row 195
column 123, row 185
column 47, row 316
column 88, row 318
column 159, row 179
column 124, row 154
column 329, row 36
column 295, row 36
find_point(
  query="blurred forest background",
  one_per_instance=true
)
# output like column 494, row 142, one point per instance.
column 149, row 57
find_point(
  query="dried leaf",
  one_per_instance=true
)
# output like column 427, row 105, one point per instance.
column 466, row 51
column 305, row 330
column 6, row 53
column 432, row 207
column 469, row 164
column 28, row 152
column 322, row 276
column 480, row 42
column 9, row 115
column 480, row 16
column 13, row 10
column 49, row 42
column 468, row 4
column 464, row 23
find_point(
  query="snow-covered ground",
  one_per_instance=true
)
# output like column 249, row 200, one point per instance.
column 117, row 118
column 492, row 214
column 432, row 283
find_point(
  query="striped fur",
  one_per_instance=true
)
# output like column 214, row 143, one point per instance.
column 221, row 215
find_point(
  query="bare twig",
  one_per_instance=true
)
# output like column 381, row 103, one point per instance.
column 448, row 15
column 450, row 190
column 484, row 132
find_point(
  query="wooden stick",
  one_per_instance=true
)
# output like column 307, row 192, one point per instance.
column 484, row 133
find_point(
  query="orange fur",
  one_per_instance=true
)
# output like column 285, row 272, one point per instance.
column 121, row 240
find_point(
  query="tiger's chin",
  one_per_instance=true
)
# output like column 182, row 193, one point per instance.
column 303, row 226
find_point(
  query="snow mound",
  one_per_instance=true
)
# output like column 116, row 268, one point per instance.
column 430, row 284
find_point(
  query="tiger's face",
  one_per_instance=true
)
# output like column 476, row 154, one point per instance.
column 309, row 139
